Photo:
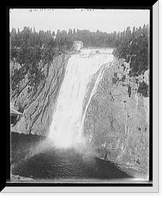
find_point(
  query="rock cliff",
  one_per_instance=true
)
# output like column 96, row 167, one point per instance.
column 38, row 105
column 117, row 119
column 116, row 124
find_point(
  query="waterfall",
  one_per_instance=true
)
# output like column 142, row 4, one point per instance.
column 66, row 129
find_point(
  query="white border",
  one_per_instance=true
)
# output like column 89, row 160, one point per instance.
column 156, row 96
column 155, row 188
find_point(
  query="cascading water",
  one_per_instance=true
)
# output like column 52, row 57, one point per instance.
column 66, row 129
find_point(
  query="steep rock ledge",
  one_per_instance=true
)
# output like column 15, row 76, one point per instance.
column 39, row 105
column 117, row 119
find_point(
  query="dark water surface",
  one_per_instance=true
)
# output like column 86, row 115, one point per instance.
column 36, row 157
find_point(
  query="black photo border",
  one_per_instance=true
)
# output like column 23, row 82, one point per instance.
column 6, row 182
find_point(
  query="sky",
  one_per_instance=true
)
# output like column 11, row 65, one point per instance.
column 105, row 20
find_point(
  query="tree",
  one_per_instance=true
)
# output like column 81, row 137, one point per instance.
column 134, row 48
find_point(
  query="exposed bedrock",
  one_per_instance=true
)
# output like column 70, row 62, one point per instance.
column 117, row 120
column 116, row 123
column 39, row 105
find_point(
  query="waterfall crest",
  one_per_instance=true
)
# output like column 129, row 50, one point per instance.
column 66, row 129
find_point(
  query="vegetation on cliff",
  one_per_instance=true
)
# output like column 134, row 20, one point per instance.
column 32, row 52
column 117, row 119
column 134, row 48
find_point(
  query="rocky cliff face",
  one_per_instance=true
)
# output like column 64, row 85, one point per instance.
column 38, row 105
column 117, row 119
column 116, row 124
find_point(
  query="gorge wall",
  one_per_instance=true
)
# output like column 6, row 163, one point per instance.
column 38, row 106
column 117, row 119
column 116, row 124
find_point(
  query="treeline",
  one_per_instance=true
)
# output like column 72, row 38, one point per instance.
column 134, row 48
column 28, row 42
column 27, row 46
column 33, row 50
column 131, row 44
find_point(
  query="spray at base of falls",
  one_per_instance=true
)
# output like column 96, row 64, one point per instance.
column 66, row 129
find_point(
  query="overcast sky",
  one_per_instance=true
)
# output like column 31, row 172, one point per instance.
column 106, row 20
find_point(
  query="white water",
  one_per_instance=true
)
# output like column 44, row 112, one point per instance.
column 66, row 129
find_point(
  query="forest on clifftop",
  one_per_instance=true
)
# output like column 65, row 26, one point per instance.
column 32, row 50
